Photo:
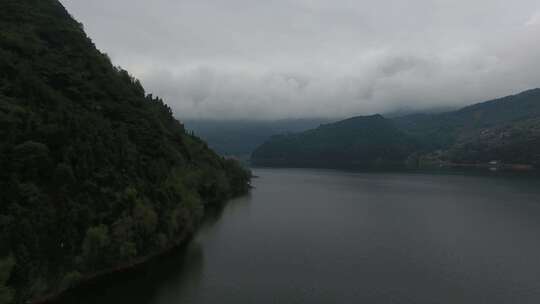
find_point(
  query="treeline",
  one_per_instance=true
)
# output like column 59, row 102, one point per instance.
column 94, row 172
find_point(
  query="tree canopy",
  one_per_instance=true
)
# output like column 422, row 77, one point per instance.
column 94, row 171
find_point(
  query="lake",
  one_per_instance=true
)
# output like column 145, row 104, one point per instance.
column 323, row 236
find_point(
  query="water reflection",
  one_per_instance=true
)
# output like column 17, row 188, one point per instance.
column 326, row 236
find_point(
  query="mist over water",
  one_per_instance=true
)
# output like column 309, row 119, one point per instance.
column 315, row 236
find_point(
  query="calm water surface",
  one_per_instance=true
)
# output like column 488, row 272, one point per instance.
column 315, row 236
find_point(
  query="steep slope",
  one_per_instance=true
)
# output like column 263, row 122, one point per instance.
column 360, row 141
column 94, row 172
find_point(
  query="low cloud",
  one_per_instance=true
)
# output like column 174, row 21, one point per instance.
column 534, row 20
column 291, row 59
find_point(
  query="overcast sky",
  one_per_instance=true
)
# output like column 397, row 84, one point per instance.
column 333, row 58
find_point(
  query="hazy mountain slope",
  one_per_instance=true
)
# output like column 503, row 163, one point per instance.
column 442, row 130
column 360, row 141
column 504, row 129
column 240, row 137
column 516, row 142
column 94, row 173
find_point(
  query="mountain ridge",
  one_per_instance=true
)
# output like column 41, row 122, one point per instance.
column 379, row 142
column 451, row 132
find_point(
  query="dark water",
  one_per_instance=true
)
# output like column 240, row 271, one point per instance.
column 309, row 236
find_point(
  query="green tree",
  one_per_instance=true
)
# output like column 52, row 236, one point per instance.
column 6, row 267
column 87, row 157
column 95, row 244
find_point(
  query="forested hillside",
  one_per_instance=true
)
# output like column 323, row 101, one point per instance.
column 364, row 141
column 439, row 131
column 503, row 130
column 94, row 173
column 511, row 143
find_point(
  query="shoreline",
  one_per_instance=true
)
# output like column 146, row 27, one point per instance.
column 178, row 244
column 51, row 298
column 412, row 168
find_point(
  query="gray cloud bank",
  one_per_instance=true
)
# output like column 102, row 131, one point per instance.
column 251, row 59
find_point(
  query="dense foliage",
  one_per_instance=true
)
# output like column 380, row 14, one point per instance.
column 505, row 129
column 94, row 173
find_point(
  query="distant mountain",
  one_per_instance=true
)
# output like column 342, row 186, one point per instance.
column 359, row 141
column 504, row 130
column 95, row 174
column 516, row 142
column 240, row 137
column 442, row 130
